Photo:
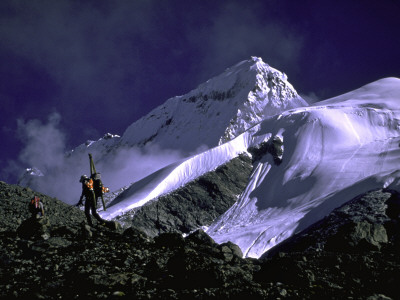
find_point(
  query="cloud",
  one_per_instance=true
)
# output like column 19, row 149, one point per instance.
column 128, row 165
column 310, row 97
column 44, row 143
column 44, row 149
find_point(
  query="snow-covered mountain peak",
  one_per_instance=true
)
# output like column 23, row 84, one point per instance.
column 216, row 111
column 248, row 74
column 268, row 93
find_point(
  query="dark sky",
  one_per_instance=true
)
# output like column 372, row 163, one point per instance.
column 92, row 67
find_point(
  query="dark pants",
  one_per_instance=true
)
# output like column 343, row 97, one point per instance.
column 90, row 206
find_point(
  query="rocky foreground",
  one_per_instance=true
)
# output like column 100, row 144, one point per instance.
column 351, row 254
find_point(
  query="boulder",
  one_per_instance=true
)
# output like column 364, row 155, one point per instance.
column 199, row 237
column 234, row 249
column 358, row 236
column 169, row 240
column 34, row 228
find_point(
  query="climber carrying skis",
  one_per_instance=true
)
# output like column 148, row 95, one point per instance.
column 90, row 205
column 36, row 207
column 99, row 188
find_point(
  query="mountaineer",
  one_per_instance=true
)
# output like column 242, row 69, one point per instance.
column 99, row 188
column 36, row 208
column 90, row 202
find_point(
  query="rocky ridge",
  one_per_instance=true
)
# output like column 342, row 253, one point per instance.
column 194, row 205
column 66, row 259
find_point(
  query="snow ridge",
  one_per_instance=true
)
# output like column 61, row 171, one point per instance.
column 180, row 173
column 333, row 151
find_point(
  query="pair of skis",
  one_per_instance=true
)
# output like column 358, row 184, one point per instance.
column 93, row 174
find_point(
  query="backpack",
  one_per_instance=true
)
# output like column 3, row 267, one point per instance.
column 99, row 188
column 34, row 205
column 97, row 184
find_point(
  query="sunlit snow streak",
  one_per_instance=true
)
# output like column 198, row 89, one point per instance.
column 264, row 171
column 255, row 241
column 178, row 174
column 350, row 126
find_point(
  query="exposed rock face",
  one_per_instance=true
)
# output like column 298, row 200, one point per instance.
column 75, row 261
column 196, row 204
column 274, row 147
column 352, row 251
column 364, row 223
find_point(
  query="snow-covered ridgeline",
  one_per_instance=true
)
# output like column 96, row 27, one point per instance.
column 333, row 151
column 99, row 147
column 178, row 174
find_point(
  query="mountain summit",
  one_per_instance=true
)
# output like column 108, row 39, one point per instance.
column 217, row 110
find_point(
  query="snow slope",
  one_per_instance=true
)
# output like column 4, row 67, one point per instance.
column 180, row 173
column 333, row 151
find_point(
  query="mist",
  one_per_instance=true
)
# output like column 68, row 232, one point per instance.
column 310, row 98
column 45, row 149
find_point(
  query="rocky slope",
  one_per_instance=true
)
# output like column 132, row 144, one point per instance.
column 353, row 250
column 368, row 222
column 65, row 259
column 194, row 205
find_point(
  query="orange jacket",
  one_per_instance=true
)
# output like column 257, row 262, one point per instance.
column 35, row 202
column 89, row 184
